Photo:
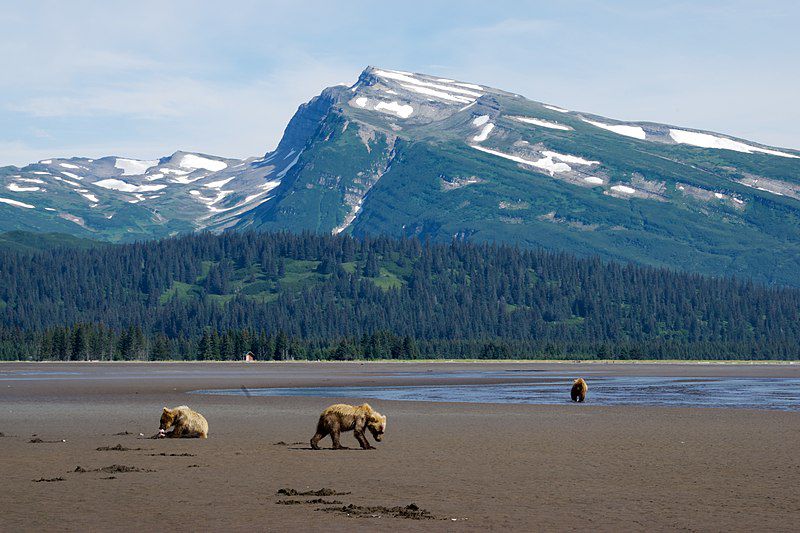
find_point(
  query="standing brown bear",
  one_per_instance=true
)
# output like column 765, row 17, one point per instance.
column 342, row 417
column 579, row 390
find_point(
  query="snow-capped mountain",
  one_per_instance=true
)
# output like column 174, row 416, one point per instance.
column 118, row 198
column 410, row 154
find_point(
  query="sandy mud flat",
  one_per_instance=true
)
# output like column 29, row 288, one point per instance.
column 75, row 453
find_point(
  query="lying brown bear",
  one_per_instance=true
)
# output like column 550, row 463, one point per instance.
column 186, row 423
column 341, row 417
column 579, row 390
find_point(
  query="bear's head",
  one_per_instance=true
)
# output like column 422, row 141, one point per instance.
column 377, row 425
column 167, row 418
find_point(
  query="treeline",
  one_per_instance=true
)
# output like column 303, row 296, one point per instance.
column 309, row 296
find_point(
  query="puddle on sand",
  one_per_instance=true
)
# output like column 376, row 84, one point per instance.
column 742, row 393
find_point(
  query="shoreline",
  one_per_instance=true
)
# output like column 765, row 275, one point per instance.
column 788, row 362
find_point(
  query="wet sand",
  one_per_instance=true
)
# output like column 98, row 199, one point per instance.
column 488, row 466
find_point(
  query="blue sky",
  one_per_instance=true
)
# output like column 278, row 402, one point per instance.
column 146, row 78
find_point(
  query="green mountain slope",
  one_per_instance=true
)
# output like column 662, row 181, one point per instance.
column 415, row 155
column 541, row 176
column 26, row 241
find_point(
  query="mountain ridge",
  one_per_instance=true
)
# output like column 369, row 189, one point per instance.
column 404, row 154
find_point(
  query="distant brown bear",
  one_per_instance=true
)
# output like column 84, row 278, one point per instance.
column 579, row 390
column 186, row 423
column 341, row 417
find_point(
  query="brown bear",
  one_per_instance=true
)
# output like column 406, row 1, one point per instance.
column 341, row 417
column 185, row 423
column 579, row 390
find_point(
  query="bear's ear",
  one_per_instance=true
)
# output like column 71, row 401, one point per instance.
column 166, row 409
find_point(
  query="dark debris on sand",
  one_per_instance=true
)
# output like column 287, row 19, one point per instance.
column 122, row 433
column 165, row 454
column 48, row 480
column 410, row 511
column 113, row 469
column 321, row 492
column 117, row 448
column 315, row 501
column 37, row 440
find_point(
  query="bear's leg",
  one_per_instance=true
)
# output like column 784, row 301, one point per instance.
column 318, row 436
column 335, row 438
column 362, row 440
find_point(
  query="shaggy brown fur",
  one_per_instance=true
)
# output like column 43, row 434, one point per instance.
column 341, row 417
column 579, row 390
column 185, row 423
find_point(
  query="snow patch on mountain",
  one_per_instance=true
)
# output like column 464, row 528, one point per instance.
column 68, row 182
column 555, row 108
column 470, row 86
column 218, row 184
column 401, row 110
column 569, row 158
column 706, row 140
column 16, row 203
column 209, row 202
column 283, row 172
column 542, row 123
column 194, row 162
column 442, row 95
column 620, row 129
column 184, row 180
column 481, row 120
column 119, row 185
column 269, row 185
column 19, row 188
column 133, row 167
column 407, row 79
column 484, row 134
column 89, row 196
column 552, row 162
column 173, row 171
